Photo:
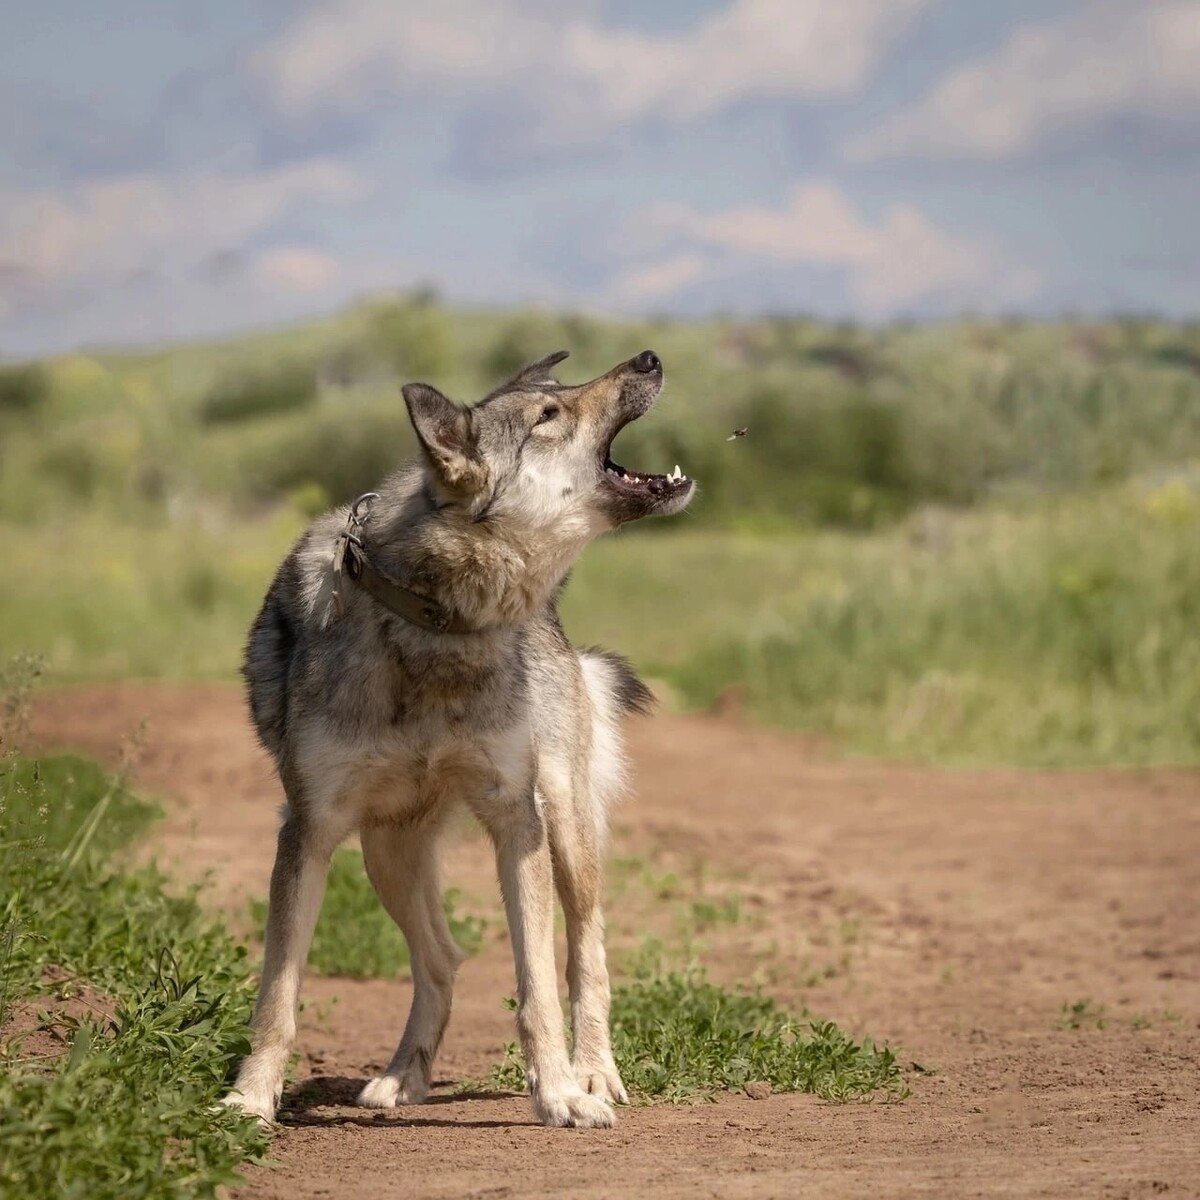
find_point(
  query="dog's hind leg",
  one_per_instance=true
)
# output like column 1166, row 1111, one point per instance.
column 402, row 865
column 297, row 889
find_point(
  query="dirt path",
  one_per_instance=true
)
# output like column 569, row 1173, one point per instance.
column 953, row 914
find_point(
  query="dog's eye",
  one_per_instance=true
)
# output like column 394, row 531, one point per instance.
column 548, row 413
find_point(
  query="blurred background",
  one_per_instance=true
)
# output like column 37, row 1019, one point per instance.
column 941, row 259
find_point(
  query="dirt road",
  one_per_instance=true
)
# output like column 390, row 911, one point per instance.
column 951, row 914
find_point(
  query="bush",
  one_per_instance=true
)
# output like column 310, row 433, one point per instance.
column 23, row 388
column 75, row 465
column 521, row 341
column 412, row 337
column 344, row 458
column 259, row 393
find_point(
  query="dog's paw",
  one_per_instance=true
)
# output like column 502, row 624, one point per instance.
column 574, row 1110
column 387, row 1091
column 602, row 1081
column 260, row 1107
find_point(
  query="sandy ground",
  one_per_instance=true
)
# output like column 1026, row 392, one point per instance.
column 951, row 914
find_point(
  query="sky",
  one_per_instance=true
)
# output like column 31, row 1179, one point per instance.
column 171, row 170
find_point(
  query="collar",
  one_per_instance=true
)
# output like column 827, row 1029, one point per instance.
column 352, row 558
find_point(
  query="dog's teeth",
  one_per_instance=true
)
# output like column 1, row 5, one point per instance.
column 678, row 473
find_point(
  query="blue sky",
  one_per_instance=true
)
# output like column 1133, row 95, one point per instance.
column 171, row 170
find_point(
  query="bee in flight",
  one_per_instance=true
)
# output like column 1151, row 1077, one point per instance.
column 737, row 433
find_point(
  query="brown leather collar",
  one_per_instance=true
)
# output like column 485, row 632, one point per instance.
column 351, row 557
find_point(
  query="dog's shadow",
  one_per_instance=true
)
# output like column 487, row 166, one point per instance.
column 307, row 1105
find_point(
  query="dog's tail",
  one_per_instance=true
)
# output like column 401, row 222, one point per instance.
column 613, row 689
column 628, row 693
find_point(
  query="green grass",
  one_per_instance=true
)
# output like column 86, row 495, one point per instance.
column 355, row 938
column 143, row 1000
column 677, row 1036
column 1057, row 631
column 103, row 598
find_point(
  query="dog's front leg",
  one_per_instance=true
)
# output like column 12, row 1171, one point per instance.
column 577, row 853
column 526, row 879
column 297, row 889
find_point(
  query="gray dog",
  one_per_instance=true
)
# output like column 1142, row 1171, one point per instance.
column 409, row 658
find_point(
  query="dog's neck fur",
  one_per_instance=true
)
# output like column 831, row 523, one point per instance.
column 493, row 572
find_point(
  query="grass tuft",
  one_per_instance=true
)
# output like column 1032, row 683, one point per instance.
column 677, row 1036
column 1082, row 1014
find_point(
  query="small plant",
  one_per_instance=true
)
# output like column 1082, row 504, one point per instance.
column 677, row 1036
column 1083, row 1014
column 355, row 938
column 705, row 913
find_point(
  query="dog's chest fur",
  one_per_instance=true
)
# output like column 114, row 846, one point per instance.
column 388, row 721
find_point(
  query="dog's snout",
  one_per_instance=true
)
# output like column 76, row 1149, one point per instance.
column 646, row 362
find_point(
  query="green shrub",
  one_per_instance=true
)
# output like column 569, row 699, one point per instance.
column 74, row 464
column 23, row 388
column 414, row 338
column 522, row 340
column 259, row 393
column 342, row 457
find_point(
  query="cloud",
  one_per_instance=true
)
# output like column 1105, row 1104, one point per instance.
column 101, row 233
column 900, row 259
column 1103, row 61
column 297, row 268
column 579, row 77
column 663, row 278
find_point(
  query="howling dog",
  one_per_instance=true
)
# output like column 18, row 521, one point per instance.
column 409, row 659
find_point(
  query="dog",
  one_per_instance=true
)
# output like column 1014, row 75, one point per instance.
column 409, row 659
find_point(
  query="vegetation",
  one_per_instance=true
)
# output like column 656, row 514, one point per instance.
column 22, row 388
column 677, row 1036
column 964, row 542
column 261, row 393
column 122, row 1004
column 355, row 937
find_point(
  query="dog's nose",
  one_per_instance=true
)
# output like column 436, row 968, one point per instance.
column 646, row 362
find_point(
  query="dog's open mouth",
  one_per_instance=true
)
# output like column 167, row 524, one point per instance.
column 636, row 482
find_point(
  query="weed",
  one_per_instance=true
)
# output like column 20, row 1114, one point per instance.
column 706, row 913
column 677, row 1036
column 1082, row 1014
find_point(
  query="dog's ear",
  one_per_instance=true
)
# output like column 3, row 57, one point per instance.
column 540, row 372
column 447, row 438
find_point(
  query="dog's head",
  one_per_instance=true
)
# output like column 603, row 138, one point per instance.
column 536, row 451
